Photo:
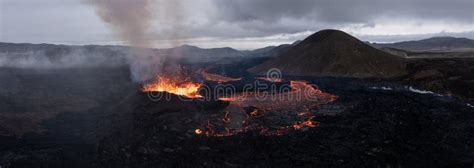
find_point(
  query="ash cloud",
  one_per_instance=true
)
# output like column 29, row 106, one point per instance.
column 131, row 22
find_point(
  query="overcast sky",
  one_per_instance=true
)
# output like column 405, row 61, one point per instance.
column 242, row 24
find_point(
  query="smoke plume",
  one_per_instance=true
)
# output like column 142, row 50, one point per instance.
column 131, row 20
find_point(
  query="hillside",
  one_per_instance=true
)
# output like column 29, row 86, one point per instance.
column 334, row 53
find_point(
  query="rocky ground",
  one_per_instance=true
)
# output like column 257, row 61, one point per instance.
column 363, row 128
column 446, row 76
column 367, row 126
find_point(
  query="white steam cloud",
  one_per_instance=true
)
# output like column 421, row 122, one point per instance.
column 131, row 21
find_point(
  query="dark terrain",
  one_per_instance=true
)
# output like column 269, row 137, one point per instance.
column 454, row 77
column 95, row 116
column 365, row 127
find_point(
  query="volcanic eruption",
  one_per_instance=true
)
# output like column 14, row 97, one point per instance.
column 163, row 84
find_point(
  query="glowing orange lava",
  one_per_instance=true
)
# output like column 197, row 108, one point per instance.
column 198, row 131
column 216, row 77
column 308, row 123
column 286, row 111
column 302, row 86
column 183, row 88
column 276, row 80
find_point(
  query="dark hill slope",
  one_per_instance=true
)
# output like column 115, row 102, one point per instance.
column 334, row 53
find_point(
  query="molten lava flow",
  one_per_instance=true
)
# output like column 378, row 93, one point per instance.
column 216, row 77
column 275, row 115
column 308, row 123
column 275, row 80
column 198, row 131
column 303, row 86
column 179, row 87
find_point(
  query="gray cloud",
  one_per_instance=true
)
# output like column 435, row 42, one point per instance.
column 228, row 22
column 346, row 10
column 271, row 16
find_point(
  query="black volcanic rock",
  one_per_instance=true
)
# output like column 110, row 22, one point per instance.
column 453, row 76
column 334, row 53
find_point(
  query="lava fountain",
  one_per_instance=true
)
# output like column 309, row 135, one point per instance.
column 186, row 87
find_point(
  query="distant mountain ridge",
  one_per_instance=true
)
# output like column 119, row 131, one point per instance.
column 27, row 55
column 60, row 56
column 270, row 51
column 193, row 54
column 434, row 43
column 334, row 53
